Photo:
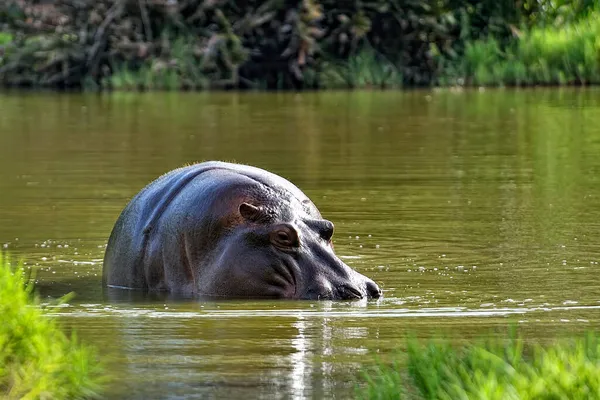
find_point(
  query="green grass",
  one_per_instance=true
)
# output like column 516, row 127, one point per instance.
column 37, row 360
column 5, row 38
column 495, row 369
column 178, row 70
column 541, row 56
column 364, row 70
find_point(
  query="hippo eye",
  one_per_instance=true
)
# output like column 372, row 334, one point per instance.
column 284, row 236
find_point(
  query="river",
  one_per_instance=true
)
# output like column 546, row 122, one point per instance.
column 472, row 209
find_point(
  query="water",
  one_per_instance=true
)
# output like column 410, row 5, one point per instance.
column 471, row 209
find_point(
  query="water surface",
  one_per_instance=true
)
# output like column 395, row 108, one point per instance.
column 471, row 209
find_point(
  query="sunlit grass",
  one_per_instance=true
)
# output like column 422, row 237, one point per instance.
column 37, row 360
column 495, row 369
column 557, row 56
column 5, row 38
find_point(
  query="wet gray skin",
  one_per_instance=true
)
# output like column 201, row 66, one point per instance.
column 229, row 231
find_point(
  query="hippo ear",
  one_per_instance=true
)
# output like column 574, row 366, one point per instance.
column 250, row 212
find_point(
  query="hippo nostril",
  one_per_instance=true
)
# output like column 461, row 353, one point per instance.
column 347, row 292
column 373, row 291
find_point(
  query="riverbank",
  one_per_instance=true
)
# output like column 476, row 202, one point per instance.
column 195, row 45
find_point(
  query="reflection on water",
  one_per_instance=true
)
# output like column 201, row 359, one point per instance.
column 298, row 360
column 471, row 210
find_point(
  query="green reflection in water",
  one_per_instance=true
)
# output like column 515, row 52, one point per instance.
column 471, row 209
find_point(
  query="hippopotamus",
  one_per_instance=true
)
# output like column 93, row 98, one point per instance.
column 225, row 230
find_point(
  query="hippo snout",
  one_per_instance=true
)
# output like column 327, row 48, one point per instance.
column 368, row 289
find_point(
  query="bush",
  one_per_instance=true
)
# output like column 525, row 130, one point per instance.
column 283, row 44
column 37, row 360
column 278, row 44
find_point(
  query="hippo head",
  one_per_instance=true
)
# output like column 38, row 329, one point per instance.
column 275, row 254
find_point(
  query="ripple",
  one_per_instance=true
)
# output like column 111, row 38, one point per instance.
column 444, row 312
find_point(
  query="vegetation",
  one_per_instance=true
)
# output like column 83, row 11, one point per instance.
column 542, row 55
column 5, row 38
column 280, row 44
column 366, row 69
column 37, row 360
column 183, row 72
column 494, row 369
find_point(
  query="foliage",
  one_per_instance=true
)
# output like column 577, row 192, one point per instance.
column 37, row 360
column 364, row 70
column 77, row 42
column 544, row 13
column 566, row 55
column 494, row 369
column 181, row 72
column 273, row 44
column 5, row 38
